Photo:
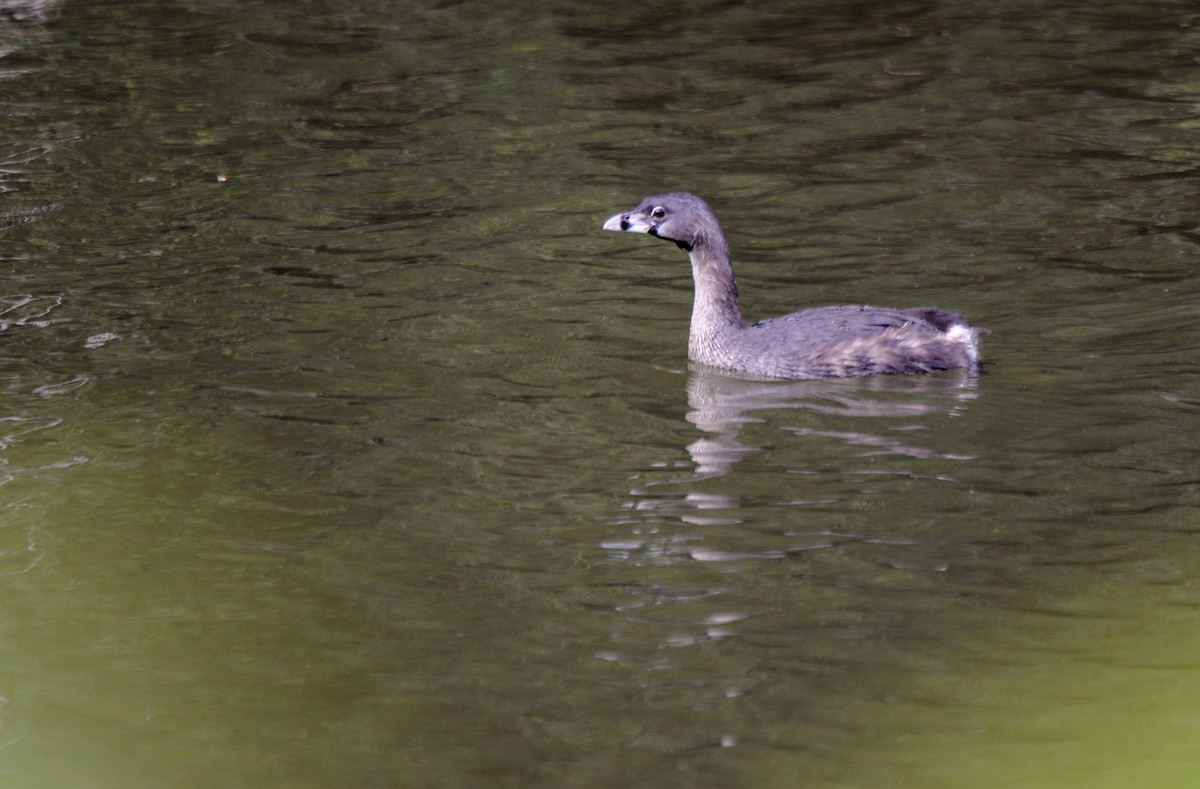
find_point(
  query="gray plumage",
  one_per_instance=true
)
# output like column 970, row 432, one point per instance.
column 825, row 342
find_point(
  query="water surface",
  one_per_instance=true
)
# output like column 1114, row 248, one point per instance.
column 341, row 447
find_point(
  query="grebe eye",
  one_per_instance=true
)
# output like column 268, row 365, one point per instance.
column 659, row 212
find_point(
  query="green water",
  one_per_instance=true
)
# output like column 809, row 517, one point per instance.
column 341, row 448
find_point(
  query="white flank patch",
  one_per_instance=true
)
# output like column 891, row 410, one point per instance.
column 967, row 336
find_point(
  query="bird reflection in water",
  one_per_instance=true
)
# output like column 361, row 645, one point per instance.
column 721, row 406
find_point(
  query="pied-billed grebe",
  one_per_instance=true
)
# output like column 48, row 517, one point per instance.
column 826, row 342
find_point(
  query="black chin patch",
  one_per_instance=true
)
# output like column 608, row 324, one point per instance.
column 681, row 244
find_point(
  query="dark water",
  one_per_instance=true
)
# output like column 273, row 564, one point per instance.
column 341, row 448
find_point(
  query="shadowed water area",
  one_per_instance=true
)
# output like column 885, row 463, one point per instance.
column 341, row 448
